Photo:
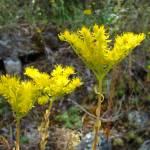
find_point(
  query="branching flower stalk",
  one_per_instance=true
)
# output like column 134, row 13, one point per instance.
column 21, row 96
column 97, row 124
column 17, row 133
column 93, row 46
column 52, row 86
column 44, row 126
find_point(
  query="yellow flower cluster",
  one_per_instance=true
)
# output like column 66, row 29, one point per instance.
column 87, row 12
column 19, row 94
column 55, row 84
column 94, row 47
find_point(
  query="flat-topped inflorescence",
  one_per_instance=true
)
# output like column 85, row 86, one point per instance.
column 93, row 47
column 55, row 84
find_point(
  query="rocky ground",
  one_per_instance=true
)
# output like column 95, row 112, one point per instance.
column 126, row 128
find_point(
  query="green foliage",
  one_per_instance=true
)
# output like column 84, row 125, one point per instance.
column 135, row 101
column 118, row 14
column 71, row 118
column 24, row 140
column 12, row 12
column 120, row 93
column 65, row 12
column 6, row 16
column 34, row 14
column 69, row 13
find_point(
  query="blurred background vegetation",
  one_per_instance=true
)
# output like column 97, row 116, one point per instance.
column 121, row 14
column 131, row 82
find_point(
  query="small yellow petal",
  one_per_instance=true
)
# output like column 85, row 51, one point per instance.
column 87, row 11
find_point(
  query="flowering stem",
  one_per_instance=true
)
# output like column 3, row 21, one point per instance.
column 43, row 128
column 18, row 134
column 97, row 124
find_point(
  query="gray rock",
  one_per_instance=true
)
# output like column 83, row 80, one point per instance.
column 16, row 43
column 138, row 119
column 145, row 145
column 13, row 66
column 4, row 50
column 86, row 142
column 51, row 40
column 49, row 54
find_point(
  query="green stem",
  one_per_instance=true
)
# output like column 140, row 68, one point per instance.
column 97, row 124
column 50, row 105
column 18, row 134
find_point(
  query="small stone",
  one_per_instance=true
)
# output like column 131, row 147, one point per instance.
column 86, row 142
column 145, row 145
column 33, row 136
column 13, row 66
column 138, row 119
column 51, row 40
column 4, row 50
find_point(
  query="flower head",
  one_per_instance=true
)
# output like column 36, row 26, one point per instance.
column 55, row 84
column 93, row 47
column 21, row 95
column 87, row 12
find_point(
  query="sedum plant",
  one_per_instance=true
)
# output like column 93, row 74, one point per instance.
column 21, row 96
column 51, row 87
column 96, row 50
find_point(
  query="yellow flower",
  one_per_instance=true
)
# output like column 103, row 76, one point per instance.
column 40, row 78
column 74, row 83
column 21, row 95
column 55, row 84
column 43, row 100
column 87, row 12
column 39, row 30
column 59, row 70
column 93, row 47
